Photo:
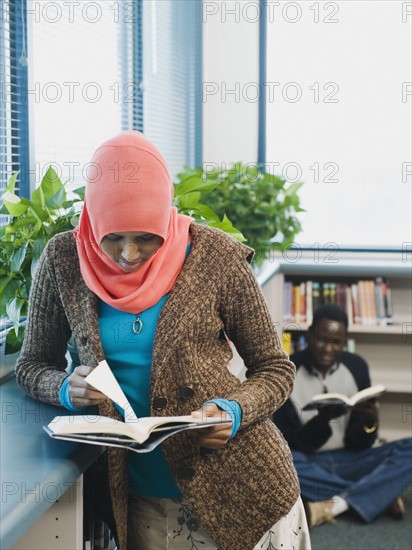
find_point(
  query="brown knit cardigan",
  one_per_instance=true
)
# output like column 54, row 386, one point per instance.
column 238, row 491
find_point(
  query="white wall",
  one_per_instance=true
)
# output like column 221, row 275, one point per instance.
column 348, row 135
column 230, row 63
column 341, row 115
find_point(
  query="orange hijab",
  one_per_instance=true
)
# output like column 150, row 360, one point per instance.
column 129, row 189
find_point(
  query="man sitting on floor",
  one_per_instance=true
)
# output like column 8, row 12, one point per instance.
column 337, row 465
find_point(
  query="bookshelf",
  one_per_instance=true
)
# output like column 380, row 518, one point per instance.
column 387, row 349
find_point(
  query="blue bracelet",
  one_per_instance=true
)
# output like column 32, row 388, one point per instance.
column 233, row 409
column 64, row 396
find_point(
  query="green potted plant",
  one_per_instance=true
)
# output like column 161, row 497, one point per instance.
column 261, row 206
column 244, row 201
column 33, row 222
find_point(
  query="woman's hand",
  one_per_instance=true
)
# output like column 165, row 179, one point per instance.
column 215, row 436
column 81, row 393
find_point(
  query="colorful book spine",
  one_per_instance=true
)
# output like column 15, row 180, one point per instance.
column 332, row 293
column 380, row 303
column 297, row 307
column 363, row 303
column 303, row 302
column 370, row 289
column 287, row 342
column 388, row 301
column 325, row 293
column 316, row 297
column 309, row 303
column 349, row 304
column 342, row 293
column 367, row 302
column 355, row 304
column 287, row 302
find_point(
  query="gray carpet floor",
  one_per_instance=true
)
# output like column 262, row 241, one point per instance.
column 350, row 533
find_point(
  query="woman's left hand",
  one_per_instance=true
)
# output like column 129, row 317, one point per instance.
column 215, row 436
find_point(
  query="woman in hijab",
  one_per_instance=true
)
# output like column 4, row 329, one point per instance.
column 159, row 297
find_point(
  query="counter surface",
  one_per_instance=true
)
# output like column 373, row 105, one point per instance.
column 35, row 469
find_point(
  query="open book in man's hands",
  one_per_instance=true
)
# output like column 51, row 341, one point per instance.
column 324, row 399
column 141, row 435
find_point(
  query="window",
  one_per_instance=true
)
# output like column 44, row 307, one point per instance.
column 14, row 152
column 75, row 90
column 339, row 97
column 172, row 79
column 94, row 69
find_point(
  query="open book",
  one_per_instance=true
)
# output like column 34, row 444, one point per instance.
column 324, row 399
column 141, row 435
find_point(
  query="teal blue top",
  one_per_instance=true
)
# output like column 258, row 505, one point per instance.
column 130, row 358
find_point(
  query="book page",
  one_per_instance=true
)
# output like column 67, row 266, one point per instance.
column 334, row 398
column 103, row 379
column 368, row 393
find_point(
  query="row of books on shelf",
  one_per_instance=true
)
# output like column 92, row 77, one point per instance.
column 366, row 302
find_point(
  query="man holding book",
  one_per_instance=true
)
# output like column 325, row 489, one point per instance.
column 333, row 445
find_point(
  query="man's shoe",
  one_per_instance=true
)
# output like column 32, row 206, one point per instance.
column 318, row 512
column 397, row 509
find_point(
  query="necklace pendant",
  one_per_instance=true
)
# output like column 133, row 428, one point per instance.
column 137, row 325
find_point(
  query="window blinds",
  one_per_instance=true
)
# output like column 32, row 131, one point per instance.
column 99, row 67
column 14, row 155
column 172, row 79
column 132, row 66
column 76, row 84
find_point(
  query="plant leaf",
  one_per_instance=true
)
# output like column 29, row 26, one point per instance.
column 12, row 182
column 18, row 258
column 195, row 183
column 13, row 309
column 34, row 266
column 23, row 222
column 10, row 291
column 36, row 210
column 49, row 186
column 8, row 288
column 74, row 220
column 293, row 188
column 14, row 341
column 189, row 200
column 206, row 212
column 57, row 200
column 39, row 245
column 80, row 192
column 14, row 205
column 226, row 226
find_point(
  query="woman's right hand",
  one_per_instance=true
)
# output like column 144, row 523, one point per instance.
column 81, row 393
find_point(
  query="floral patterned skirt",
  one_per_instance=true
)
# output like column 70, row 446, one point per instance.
column 171, row 524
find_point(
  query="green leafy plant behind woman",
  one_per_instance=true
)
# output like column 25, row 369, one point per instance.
column 31, row 224
column 248, row 204
column 261, row 206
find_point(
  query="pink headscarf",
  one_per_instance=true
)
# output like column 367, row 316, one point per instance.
column 129, row 189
